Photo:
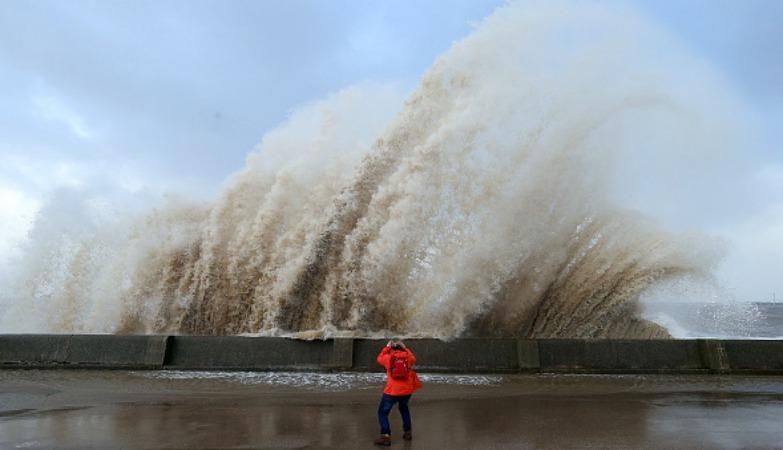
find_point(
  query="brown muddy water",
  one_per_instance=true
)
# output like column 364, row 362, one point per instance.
column 240, row 410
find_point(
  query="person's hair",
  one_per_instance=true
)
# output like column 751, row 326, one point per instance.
column 397, row 343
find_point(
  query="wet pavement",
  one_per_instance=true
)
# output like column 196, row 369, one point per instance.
column 207, row 410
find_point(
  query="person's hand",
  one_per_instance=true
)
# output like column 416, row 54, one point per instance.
column 389, row 344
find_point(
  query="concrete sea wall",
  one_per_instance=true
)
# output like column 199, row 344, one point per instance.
column 470, row 355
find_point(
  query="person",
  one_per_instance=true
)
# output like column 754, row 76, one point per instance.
column 401, row 382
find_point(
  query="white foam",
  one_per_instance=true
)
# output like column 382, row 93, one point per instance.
column 506, row 197
column 340, row 381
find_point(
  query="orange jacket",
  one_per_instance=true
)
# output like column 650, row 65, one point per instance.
column 399, row 387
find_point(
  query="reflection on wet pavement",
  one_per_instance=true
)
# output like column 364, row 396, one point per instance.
column 93, row 409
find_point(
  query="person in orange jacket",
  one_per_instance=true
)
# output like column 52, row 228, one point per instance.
column 401, row 382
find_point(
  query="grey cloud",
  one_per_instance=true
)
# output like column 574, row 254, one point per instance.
column 190, row 86
column 743, row 38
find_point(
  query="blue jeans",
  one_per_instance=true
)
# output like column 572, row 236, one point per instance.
column 387, row 403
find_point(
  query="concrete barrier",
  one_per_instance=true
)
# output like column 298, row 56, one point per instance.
column 459, row 356
column 620, row 355
column 234, row 352
column 754, row 356
column 83, row 351
column 713, row 355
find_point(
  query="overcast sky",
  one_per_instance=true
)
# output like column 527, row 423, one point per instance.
column 171, row 95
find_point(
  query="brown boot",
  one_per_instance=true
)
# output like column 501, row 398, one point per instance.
column 407, row 435
column 384, row 440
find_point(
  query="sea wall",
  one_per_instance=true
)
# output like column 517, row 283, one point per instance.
column 470, row 355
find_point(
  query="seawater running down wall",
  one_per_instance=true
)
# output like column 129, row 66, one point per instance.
column 485, row 204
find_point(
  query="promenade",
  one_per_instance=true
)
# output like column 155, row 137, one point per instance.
column 95, row 409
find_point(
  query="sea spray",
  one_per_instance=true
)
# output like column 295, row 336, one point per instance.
column 484, row 204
